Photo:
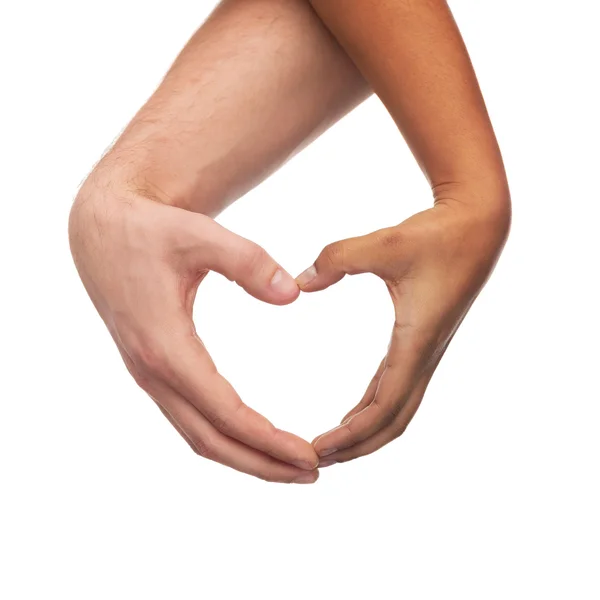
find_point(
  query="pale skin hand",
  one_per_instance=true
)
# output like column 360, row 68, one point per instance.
column 141, row 263
column 435, row 263
column 139, row 232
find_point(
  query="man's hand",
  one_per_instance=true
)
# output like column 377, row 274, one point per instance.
column 434, row 265
column 204, row 139
column 141, row 263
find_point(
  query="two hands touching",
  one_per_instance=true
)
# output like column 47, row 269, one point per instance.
column 258, row 82
column 142, row 261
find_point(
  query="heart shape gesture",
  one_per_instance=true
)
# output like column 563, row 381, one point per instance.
column 434, row 264
column 257, row 83
column 141, row 262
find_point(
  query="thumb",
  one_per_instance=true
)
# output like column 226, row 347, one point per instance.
column 346, row 257
column 251, row 267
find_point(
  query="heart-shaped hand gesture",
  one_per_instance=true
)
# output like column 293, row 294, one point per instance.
column 141, row 262
column 207, row 136
column 434, row 265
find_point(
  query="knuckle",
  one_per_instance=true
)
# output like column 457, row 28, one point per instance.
column 142, row 379
column 150, row 359
column 390, row 413
column 400, row 432
column 253, row 258
column 386, row 414
column 221, row 423
column 225, row 422
column 353, row 431
column 387, row 418
column 333, row 254
column 204, row 448
column 396, row 410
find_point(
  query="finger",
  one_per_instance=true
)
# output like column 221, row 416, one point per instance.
column 190, row 371
column 369, row 393
column 402, row 371
column 366, row 400
column 395, row 429
column 209, row 443
column 384, row 436
column 171, row 420
column 244, row 262
column 364, row 254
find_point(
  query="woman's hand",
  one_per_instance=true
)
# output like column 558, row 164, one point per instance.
column 141, row 263
column 434, row 265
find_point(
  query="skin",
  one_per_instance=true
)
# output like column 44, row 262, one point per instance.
column 140, row 228
column 435, row 263
column 142, row 236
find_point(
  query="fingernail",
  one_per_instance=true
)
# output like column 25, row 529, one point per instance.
column 305, row 464
column 283, row 283
column 307, row 276
column 327, row 452
column 327, row 463
column 307, row 478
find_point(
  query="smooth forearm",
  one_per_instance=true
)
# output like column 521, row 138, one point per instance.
column 435, row 263
column 255, row 84
column 412, row 54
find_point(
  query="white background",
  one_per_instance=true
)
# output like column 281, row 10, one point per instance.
column 492, row 492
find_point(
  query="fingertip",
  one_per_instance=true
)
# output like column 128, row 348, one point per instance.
column 307, row 465
column 299, row 452
column 283, row 287
column 304, row 279
column 307, row 478
column 312, row 280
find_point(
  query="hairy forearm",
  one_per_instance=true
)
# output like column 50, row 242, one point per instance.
column 412, row 54
column 255, row 84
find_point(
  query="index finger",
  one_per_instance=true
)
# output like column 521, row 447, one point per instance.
column 191, row 372
column 402, row 369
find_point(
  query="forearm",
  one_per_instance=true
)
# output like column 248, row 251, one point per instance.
column 255, row 84
column 436, row 262
column 412, row 54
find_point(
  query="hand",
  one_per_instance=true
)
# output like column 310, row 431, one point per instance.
column 141, row 263
column 434, row 265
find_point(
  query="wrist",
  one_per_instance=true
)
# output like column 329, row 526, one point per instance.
column 146, row 171
column 485, row 203
column 475, row 221
column 125, row 171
